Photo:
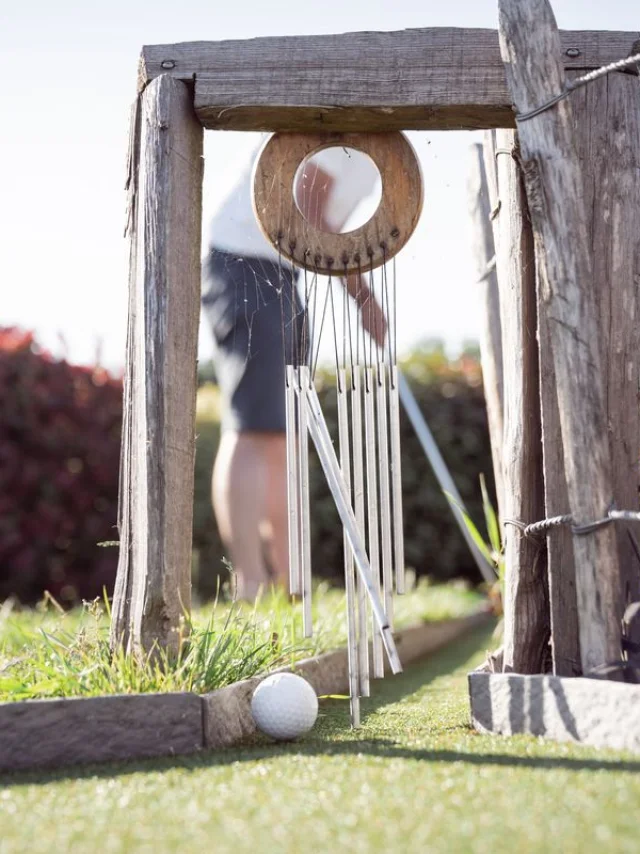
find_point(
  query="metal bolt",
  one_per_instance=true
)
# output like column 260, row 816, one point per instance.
column 572, row 52
column 168, row 63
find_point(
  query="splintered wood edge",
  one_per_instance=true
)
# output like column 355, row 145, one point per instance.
column 48, row 734
column 357, row 251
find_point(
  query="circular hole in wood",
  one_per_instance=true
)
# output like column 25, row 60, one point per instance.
column 337, row 189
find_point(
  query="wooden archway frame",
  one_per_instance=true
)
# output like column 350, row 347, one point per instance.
column 362, row 249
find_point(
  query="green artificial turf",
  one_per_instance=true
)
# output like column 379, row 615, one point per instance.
column 415, row 778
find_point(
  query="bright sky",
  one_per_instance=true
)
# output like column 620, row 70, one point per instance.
column 70, row 74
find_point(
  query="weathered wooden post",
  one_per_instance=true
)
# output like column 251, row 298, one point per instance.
column 607, row 120
column 491, row 333
column 606, row 115
column 557, row 205
column 526, row 610
column 156, row 485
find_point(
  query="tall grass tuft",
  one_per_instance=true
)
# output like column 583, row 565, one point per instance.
column 48, row 652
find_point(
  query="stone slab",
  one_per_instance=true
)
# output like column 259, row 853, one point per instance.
column 589, row 711
column 45, row 734
column 54, row 733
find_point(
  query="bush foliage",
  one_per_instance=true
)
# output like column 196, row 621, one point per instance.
column 59, row 464
column 59, row 457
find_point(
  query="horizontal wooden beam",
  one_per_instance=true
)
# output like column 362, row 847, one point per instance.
column 422, row 79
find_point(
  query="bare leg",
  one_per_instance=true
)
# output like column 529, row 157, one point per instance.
column 276, row 520
column 239, row 492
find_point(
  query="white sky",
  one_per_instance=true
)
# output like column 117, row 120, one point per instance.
column 69, row 78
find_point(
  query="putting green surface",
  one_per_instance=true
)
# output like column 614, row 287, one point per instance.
column 415, row 778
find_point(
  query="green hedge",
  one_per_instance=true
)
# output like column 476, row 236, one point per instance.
column 451, row 398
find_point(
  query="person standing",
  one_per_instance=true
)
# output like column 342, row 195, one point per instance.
column 257, row 318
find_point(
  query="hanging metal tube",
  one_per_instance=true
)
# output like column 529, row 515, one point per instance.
column 293, row 492
column 385, row 495
column 396, row 481
column 305, row 511
column 349, row 568
column 372, row 503
column 358, row 503
column 324, row 446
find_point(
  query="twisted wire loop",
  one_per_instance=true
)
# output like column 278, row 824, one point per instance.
column 577, row 83
column 535, row 529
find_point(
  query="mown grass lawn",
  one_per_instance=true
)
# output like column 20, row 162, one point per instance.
column 415, row 778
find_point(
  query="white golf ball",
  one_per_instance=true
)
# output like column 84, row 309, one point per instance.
column 284, row 706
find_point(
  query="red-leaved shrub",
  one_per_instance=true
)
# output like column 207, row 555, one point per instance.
column 59, row 458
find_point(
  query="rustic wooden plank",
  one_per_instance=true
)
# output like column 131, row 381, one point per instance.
column 54, row 733
column 561, row 571
column 120, row 626
column 153, row 586
column 607, row 117
column 530, row 47
column 526, row 610
column 491, row 333
column 309, row 244
column 412, row 79
column 610, row 160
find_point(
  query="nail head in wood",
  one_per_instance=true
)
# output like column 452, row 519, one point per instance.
column 396, row 216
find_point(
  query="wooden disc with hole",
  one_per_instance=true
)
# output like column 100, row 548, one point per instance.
column 362, row 249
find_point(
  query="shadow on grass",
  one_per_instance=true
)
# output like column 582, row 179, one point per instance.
column 378, row 747
column 456, row 659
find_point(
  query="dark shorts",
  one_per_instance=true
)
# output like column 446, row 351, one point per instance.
column 257, row 320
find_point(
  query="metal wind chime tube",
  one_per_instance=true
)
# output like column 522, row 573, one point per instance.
column 305, row 514
column 358, row 498
column 349, row 568
column 293, row 480
column 372, row 504
column 385, row 495
column 324, row 446
column 396, row 480
column 369, row 506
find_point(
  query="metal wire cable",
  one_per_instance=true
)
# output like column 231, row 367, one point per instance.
column 577, row 83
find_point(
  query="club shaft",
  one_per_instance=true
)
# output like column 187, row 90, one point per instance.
column 442, row 473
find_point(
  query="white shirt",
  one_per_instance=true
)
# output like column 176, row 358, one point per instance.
column 234, row 227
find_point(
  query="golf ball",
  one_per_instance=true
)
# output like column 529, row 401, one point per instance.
column 284, row 706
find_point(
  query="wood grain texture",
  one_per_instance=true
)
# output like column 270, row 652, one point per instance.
column 563, row 606
column 526, row 608
column 55, row 733
column 156, row 497
column 607, row 117
column 491, row 332
column 557, row 205
column 361, row 249
column 441, row 78
column 607, row 133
